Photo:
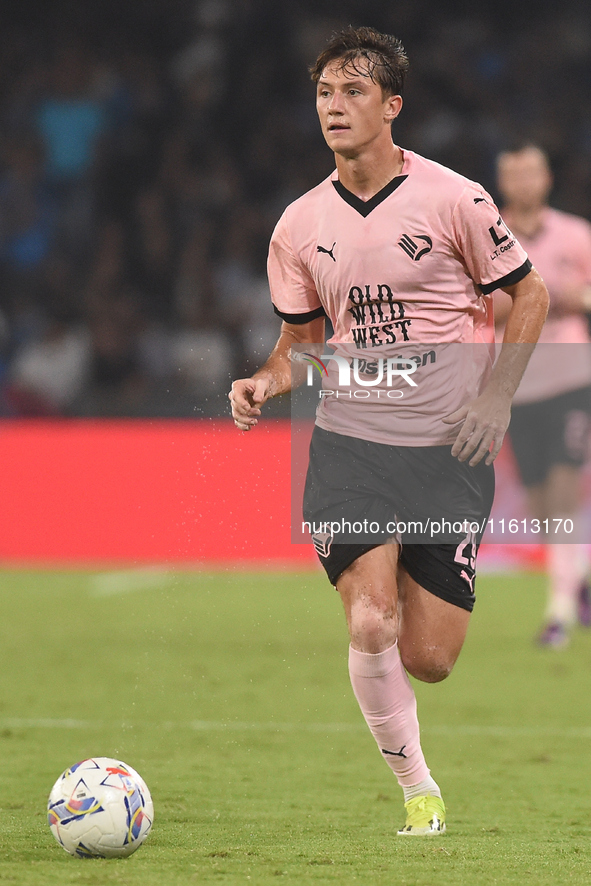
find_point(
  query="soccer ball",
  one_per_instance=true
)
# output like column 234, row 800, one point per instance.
column 100, row 808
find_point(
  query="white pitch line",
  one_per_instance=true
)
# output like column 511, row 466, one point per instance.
column 239, row 726
column 511, row 731
column 109, row 584
column 44, row 723
column 236, row 726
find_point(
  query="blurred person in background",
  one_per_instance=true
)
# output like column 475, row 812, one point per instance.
column 28, row 219
column 113, row 309
column 201, row 347
column 551, row 414
column 49, row 373
column 242, row 283
column 27, row 212
column 71, row 121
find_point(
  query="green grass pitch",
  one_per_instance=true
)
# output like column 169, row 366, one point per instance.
column 229, row 693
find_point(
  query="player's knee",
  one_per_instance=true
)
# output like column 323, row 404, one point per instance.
column 373, row 627
column 428, row 668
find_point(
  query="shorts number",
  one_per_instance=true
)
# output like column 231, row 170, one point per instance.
column 466, row 551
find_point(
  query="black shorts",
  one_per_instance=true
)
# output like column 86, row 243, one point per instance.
column 550, row 432
column 361, row 494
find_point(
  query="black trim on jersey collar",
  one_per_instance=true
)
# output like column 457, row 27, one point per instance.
column 299, row 319
column 509, row 279
column 364, row 207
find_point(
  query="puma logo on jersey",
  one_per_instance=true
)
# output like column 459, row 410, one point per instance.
column 399, row 753
column 479, row 200
column 416, row 250
column 327, row 251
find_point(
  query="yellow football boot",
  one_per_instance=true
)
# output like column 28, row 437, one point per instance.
column 425, row 817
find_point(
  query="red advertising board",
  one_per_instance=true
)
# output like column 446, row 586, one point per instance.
column 139, row 492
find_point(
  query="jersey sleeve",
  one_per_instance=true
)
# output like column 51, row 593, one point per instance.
column 493, row 256
column 293, row 292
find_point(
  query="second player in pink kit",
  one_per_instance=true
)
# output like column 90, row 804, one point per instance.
column 400, row 253
column 552, row 407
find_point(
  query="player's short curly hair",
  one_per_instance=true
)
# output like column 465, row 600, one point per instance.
column 383, row 57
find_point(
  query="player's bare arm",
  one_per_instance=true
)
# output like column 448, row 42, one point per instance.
column 570, row 302
column 276, row 376
column 486, row 419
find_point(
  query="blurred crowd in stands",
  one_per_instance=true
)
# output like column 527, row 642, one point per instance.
column 147, row 149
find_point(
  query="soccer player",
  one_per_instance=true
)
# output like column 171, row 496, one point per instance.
column 394, row 248
column 551, row 414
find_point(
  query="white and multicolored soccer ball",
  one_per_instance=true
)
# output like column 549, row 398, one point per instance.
column 100, row 808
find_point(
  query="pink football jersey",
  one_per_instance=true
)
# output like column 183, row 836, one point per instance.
column 414, row 265
column 561, row 253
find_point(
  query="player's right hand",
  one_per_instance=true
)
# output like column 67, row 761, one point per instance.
column 247, row 396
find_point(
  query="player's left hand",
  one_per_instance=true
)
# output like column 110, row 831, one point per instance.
column 484, row 424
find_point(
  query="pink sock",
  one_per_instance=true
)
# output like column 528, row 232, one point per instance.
column 567, row 567
column 388, row 703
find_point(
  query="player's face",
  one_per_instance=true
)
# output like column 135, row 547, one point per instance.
column 353, row 111
column 524, row 178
